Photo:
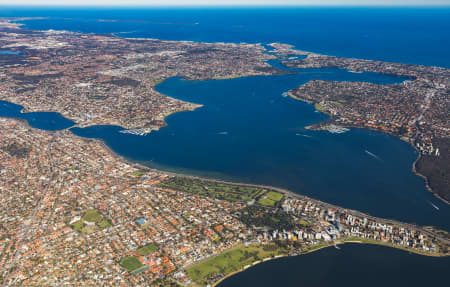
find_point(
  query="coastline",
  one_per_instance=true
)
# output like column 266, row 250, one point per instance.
column 189, row 106
column 278, row 189
column 320, row 246
column 345, row 241
column 317, row 127
column 266, row 260
column 284, row 191
column 212, row 179
column 425, row 179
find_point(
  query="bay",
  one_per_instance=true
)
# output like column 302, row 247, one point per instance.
column 40, row 120
column 247, row 131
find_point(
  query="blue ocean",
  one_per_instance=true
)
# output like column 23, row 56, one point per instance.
column 416, row 35
column 247, row 131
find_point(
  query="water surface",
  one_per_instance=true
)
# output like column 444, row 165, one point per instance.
column 353, row 265
column 9, row 53
column 398, row 34
column 247, row 131
column 41, row 120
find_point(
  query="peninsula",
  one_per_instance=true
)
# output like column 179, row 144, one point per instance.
column 108, row 80
column 415, row 110
column 75, row 213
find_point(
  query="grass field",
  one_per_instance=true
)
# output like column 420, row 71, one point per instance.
column 131, row 263
column 320, row 108
column 304, row 223
column 104, row 223
column 270, row 198
column 317, row 246
column 138, row 173
column 266, row 202
column 91, row 216
column 275, row 196
column 78, row 225
column 217, row 190
column 147, row 249
column 231, row 261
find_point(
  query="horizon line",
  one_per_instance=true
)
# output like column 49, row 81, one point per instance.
column 233, row 5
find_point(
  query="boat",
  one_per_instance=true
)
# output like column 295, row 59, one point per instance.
column 433, row 205
column 373, row 155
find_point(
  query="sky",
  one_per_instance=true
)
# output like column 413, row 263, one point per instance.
column 226, row 2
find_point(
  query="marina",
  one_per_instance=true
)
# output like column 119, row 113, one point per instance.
column 137, row 132
column 334, row 129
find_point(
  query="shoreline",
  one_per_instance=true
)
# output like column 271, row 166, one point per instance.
column 265, row 260
column 425, row 179
column 316, row 127
column 284, row 191
column 313, row 127
column 21, row 21
column 348, row 241
column 193, row 106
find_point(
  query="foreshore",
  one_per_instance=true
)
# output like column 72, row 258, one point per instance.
column 348, row 241
column 145, row 213
column 425, row 179
column 265, row 260
column 295, row 195
column 317, row 126
column 281, row 190
column 278, row 189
